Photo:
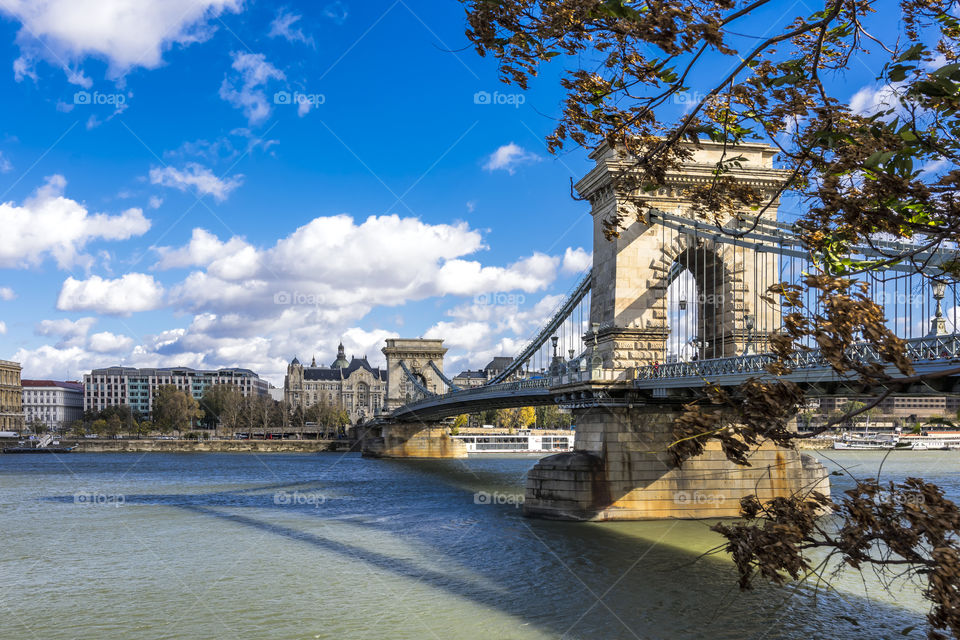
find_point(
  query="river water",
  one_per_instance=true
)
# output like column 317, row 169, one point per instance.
column 306, row 546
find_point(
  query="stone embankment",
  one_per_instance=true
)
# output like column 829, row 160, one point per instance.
column 814, row 443
column 195, row 446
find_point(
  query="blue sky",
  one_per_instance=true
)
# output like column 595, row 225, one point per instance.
column 232, row 183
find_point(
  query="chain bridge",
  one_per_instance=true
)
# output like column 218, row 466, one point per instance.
column 672, row 305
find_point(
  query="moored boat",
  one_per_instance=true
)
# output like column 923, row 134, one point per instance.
column 522, row 442
column 38, row 449
column 45, row 444
column 865, row 443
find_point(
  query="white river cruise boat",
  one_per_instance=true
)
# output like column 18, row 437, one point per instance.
column 866, row 443
column 932, row 441
column 521, row 442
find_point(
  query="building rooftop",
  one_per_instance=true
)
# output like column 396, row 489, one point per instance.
column 118, row 369
column 75, row 386
column 338, row 373
column 498, row 364
column 479, row 373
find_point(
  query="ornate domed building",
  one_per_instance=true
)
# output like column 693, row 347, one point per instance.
column 355, row 385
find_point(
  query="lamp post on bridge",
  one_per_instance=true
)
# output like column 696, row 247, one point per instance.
column 938, row 326
column 749, row 322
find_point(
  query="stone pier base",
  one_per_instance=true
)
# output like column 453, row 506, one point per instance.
column 413, row 440
column 621, row 470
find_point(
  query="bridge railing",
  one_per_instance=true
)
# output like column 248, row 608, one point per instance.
column 918, row 350
column 931, row 348
column 486, row 390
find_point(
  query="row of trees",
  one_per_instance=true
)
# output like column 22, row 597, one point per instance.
column 223, row 409
column 547, row 417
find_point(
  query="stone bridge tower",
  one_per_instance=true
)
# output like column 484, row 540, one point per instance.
column 628, row 305
column 416, row 354
column 621, row 466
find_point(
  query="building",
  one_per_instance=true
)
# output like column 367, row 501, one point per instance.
column 137, row 387
column 11, row 397
column 918, row 407
column 480, row 377
column 52, row 403
column 354, row 385
column 468, row 379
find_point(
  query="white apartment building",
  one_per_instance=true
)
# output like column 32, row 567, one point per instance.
column 51, row 402
column 136, row 387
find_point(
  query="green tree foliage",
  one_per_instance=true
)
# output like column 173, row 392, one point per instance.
column 174, row 410
column 222, row 405
column 550, row 417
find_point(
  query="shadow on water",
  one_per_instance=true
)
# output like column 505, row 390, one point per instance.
column 571, row 580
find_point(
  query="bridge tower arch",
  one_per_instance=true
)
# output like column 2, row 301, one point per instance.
column 629, row 310
column 413, row 355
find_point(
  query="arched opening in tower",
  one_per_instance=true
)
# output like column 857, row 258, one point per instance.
column 696, row 308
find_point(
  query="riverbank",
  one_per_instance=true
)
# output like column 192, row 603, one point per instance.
column 815, row 444
column 197, row 446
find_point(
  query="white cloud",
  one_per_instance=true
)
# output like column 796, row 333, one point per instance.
column 3, row 328
column 72, row 333
column 870, row 100
column 934, row 167
column 331, row 272
column 22, row 68
column 576, row 260
column 232, row 260
column 467, row 336
column 254, row 73
column 336, row 11
column 49, row 224
column 155, row 202
column 6, row 293
column 121, row 296
column 337, row 265
column 282, row 26
column 226, row 148
column 462, row 277
column 63, row 363
column 481, row 330
column 508, row 157
column 125, row 33
column 5, row 166
column 106, row 342
column 196, row 176
column 359, row 342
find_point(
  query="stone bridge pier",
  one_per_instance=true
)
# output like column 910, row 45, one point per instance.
column 621, row 469
column 409, row 440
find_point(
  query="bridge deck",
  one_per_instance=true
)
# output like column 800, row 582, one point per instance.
column 929, row 355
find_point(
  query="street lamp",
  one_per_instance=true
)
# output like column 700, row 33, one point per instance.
column 938, row 326
column 749, row 323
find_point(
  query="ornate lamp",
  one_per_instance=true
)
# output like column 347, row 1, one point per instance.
column 938, row 326
column 749, row 322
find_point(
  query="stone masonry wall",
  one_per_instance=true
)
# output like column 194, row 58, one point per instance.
column 621, row 470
